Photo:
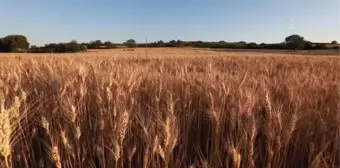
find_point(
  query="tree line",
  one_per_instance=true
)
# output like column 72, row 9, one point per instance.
column 74, row 46
column 294, row 42
column 19, row 43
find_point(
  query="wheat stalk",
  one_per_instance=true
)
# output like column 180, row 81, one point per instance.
column 45, row 124
column 252, row 142
column 9, row 119
column 77, row 132
column 123, row 126
column 290, row 128
column 65, row 141
column 236, row 157
column 55, row 156
column 73, row 114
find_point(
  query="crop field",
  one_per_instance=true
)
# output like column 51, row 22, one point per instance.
column 169, row 108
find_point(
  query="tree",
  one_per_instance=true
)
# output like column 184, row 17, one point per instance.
column 295, row 42
column 73, row 46
column 334, row 42
column 160, row 42
column 95, row 44
column 252, row 45
column 131, row 43
column 109, row 45
column 13, row 43
column 308, row 45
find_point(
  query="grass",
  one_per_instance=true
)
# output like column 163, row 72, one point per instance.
column 192, row 109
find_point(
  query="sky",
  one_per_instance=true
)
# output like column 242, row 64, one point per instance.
column 269, row 21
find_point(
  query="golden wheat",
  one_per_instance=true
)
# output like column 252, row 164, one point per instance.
column 212, row 109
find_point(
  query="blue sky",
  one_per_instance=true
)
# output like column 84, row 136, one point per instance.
column 46, row 21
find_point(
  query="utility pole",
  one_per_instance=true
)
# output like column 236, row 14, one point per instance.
column 146, row 46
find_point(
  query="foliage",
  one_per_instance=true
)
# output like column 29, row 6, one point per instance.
column 252, row 45
column 18, row 43
column 73, row 46
column 109, row 45
column 13, row 43
column 70, row 47
column 95, row 44
column 308, row 45
column 295, row 42
column 131, row 43
column 83, row 48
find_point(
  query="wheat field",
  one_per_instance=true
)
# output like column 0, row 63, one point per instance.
column 169, row 108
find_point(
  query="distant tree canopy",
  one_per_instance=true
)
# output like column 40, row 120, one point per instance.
column 131, row 43
column 95, row 44
column 14, row 43
column 252, row 45
column 308, row 45
column 295, row 42
column 109, row 45
column 19, row 43
column 289, row 43
column 98, row 44
column 70, row 47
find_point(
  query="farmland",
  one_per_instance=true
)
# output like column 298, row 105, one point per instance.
column 169, row 107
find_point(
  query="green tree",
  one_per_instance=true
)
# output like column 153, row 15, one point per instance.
column 173, row 42
column 13, row 43
column 295, row 42
column 73, row 46
column 131, row 43
column 334, row 42
column 109, row 45
column 252, row 45
column 308, row 45
column 95, row 44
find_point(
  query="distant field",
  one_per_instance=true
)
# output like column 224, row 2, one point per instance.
column 169, row 107
column 193, row 52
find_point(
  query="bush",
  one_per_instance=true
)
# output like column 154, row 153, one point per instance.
column 83, row 48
